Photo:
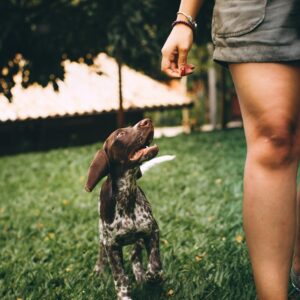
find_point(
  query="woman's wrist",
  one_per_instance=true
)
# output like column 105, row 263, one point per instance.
column 184, row 19
column 181, row 18
column 185, row 24
column 188, row 18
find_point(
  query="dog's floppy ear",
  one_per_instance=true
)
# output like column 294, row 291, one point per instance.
column 98, row 169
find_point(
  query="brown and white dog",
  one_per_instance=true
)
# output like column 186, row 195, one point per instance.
column 125, row 214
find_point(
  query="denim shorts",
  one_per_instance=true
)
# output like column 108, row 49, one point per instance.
column 256, row 31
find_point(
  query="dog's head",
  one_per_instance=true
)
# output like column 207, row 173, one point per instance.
column 124, row 149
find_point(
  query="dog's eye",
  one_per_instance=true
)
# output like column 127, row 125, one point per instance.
column 120, row 134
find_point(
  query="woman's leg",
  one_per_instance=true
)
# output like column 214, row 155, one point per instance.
column 269, row 95
column 296, row 262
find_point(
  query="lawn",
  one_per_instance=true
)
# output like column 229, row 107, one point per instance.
column 48, row 223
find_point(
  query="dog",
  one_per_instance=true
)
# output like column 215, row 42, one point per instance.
column 125, row 214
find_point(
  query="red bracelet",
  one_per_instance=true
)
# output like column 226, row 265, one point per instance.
column 184, row 23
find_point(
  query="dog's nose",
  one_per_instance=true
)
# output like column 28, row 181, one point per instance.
column 145, row 123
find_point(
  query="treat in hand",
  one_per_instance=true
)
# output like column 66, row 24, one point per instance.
column 186, row 69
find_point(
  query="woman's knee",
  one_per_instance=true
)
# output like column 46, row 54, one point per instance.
column 274, row 143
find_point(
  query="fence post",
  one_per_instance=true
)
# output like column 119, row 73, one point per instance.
column 212, row 90
column 185, row 111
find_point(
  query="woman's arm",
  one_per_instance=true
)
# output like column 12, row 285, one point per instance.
column 190, row 7
column 179, row 42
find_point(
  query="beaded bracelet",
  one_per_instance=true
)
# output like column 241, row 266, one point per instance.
column 184, row 23
column 189, row 18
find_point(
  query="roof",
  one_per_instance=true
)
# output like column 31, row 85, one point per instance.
column 84, row 91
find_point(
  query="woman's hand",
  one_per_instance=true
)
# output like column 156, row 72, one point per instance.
column 175, row 51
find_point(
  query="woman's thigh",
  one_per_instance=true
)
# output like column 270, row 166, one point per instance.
column 269, row 95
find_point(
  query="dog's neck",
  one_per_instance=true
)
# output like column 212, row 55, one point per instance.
column 124, row 187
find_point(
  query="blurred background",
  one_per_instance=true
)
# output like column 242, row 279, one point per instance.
column 71, row 71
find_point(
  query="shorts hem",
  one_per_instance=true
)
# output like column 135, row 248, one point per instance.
column 259, row 54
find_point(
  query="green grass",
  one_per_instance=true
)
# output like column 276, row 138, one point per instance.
column 48, row 224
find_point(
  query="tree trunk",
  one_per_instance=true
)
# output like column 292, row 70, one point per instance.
column 120, row 116
column 185, row 111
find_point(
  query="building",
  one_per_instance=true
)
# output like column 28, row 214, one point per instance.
column 84, row 110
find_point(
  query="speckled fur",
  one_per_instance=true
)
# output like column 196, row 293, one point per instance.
column 133, row 223
column 125, row 214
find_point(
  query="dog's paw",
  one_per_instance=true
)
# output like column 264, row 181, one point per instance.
column 123, row 292
column 98, row 269
column 138, row 272
column 154, row 277
column 139, row 277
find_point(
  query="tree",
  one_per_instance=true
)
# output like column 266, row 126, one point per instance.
column 43, row 33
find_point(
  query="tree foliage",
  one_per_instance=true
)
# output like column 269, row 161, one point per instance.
column 37, row 35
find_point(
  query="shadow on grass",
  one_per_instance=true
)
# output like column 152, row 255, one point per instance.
column 141, row 291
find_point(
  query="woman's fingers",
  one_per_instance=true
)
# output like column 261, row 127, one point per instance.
column 182, row 57
column 172, row 70
column 174, row 63
column 191, row 66
column 169, row 65
column 187, row 69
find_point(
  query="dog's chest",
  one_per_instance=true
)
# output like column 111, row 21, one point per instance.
column 129, row 225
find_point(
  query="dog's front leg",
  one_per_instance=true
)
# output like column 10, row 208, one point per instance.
column 137, row 261
column 102, row 259
column 154, row 267
column 122, row 284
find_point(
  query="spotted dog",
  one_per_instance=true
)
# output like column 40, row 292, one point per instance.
column 125, row 214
